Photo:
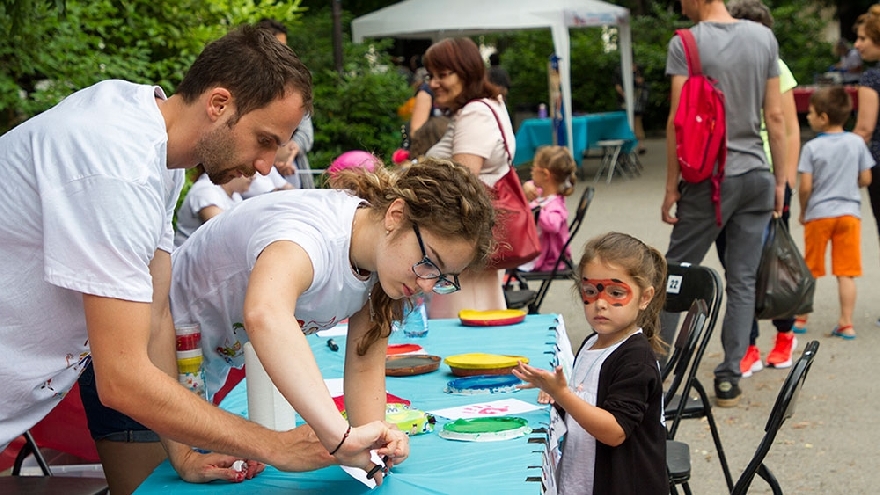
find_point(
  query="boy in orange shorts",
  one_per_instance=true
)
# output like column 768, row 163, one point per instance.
column 832, row 168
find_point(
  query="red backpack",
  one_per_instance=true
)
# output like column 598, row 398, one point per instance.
column 700, row 125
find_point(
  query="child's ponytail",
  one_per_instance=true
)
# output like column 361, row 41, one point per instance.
column 649, row 319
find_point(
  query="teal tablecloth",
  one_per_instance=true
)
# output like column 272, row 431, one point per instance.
column 435, row 465
column 587, row 131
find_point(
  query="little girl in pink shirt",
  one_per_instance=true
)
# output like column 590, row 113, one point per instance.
column 553, row 177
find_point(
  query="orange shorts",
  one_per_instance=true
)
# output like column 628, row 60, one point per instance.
column 845, row 236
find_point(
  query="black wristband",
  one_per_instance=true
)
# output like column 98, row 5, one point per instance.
column 347, row 431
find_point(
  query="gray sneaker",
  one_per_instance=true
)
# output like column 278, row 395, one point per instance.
column 727, row 393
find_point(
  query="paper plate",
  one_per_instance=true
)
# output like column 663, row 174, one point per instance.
column 397, row 349
column 495, row 318
column 411, row 364
column 486, row 429
column 478, row 363
column 483, row 384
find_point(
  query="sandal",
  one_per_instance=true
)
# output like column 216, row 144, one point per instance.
column 838, row 332
column 800, row 326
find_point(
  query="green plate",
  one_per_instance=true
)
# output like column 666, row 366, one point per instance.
column 486, row 429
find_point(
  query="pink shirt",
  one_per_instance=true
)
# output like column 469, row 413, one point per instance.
column 552, row 232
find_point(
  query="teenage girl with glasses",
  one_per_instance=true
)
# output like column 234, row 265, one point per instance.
column 283, row 265
column 614, row 439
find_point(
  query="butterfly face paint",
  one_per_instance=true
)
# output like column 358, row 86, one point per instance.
column 615, row 292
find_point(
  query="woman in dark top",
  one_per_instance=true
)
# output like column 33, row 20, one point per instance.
column 868, row 44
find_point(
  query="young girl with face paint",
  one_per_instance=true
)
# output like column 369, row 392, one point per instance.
column 615, row 438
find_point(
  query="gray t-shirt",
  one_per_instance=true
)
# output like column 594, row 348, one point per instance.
column 834, row 160
column 741, row 56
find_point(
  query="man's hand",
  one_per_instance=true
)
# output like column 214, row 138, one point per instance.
column 669, row 201
column 196, row 467
column 302, row 451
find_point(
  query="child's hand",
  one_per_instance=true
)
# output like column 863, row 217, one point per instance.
column 551, row 382
column 530, row 190
column 543, row 397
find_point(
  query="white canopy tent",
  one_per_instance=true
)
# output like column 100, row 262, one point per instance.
column 445, row 18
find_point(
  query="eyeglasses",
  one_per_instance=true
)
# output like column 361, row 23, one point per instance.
column 614, row 291
column 426, row 269
column 438, row 76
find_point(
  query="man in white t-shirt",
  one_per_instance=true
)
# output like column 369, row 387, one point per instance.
column 90, row 188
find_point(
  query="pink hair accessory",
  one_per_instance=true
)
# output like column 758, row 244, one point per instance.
column 354, row 159
column 400, row 155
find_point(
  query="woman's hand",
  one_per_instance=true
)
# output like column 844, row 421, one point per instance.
column 388, row 442
column 195, row 467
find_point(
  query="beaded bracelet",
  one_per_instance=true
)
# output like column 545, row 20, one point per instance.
column 347, row 431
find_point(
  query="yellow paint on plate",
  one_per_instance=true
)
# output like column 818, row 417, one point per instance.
column 483, row 361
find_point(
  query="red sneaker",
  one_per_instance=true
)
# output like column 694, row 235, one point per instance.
column 751, row 362
column 780, row 356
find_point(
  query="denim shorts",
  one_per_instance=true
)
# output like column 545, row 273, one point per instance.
column 109, row 424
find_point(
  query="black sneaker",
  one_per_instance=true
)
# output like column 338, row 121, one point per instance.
column 727, row 393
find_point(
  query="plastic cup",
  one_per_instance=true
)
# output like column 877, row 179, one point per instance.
column 189, row 361
column 189, row 336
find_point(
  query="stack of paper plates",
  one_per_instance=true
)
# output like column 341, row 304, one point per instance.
column 494, row 318
column 483, row 384
column 478, row 363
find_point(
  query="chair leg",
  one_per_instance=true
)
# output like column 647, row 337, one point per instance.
column 716, row 437
column 30, row 447
column 632, row 166
column 612, row 163
column 764, row 472
column 602, row 165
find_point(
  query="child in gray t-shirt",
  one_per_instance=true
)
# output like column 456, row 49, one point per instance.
column 832, row 168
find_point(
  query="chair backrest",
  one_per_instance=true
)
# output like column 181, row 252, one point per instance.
column 686, row 343
column 685, row 284
column 580, row 213
column 783, row 409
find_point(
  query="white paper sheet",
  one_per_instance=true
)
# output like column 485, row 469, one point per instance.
column 360, row 474
column 503, row 407
column 341, row 329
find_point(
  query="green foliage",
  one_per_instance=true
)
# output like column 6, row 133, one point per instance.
column 797, row 29
column 356, row 110
column 48, row 55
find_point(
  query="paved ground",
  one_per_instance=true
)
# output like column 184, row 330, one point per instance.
column 830, row 445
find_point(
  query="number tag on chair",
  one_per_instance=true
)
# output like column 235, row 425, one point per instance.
column 673, row 284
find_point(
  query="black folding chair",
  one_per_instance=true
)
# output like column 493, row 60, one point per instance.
column 48, row 483
column 517, row 293
column 697, row 290
column 782, row 410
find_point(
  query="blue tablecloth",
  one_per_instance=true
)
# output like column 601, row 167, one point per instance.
column 587, row 131
column 435, row 465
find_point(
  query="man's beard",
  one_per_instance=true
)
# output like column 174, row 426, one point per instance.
column 216, row 152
